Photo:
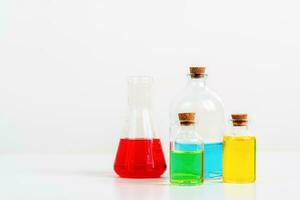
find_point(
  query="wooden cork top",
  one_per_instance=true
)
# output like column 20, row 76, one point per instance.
column 239, row 119
column 197, row 72
column 186, row 118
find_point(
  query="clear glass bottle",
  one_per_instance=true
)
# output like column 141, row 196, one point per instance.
column 239, row 164
column 197, row 97
column 140, row 153
column 186, row 152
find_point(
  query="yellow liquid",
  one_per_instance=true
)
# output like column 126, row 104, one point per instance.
column 239, row 159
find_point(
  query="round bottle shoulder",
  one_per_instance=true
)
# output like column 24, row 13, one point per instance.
column 198, row 102
column 188, row 135
column 204, row 96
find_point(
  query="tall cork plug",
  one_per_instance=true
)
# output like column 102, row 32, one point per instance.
column 186, row 118
column 239, row 119
column 197, row 72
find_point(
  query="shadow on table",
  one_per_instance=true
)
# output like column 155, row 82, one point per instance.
column 239, row 191
column 214, row 191
column 142, row 181
column 95, row 173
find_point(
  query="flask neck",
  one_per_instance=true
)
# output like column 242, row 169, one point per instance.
column 140, row 93
column 139, row 102
column 140, row 123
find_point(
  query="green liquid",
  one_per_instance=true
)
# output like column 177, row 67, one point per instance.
column 186, row 168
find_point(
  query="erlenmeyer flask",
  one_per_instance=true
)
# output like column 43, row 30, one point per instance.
column 140, row 153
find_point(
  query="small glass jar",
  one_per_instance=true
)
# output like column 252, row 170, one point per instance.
column 186, row 152
column 239, row 162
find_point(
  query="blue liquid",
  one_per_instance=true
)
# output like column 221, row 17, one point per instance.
column 187, row 147
column 213, row 158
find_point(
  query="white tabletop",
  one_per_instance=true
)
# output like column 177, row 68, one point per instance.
column 90, row 177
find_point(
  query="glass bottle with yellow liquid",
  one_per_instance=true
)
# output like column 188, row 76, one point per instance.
column 239, row 153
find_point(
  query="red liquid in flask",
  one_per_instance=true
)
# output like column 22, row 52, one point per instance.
column 140, row 158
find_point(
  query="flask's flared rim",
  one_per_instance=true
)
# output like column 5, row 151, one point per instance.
column 144, row 79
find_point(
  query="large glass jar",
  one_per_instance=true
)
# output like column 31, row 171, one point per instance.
column 197, row 97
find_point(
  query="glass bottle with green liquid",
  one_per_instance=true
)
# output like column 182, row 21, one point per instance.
column 239, row 159
column 186, row 152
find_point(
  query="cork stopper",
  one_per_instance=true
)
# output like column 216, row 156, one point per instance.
column 239, row 119
column 186, row 118
column 197, row 72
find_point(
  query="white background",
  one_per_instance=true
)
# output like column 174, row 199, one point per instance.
column 63, row 67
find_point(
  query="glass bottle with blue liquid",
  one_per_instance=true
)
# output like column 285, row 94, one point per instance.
column 186, row 152
column 197, row 97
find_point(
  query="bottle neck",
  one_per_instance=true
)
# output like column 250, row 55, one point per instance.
column 197, row 81
column 187, row 127
column 239, row 130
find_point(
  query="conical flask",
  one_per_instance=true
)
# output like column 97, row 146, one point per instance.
column 140, row 153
